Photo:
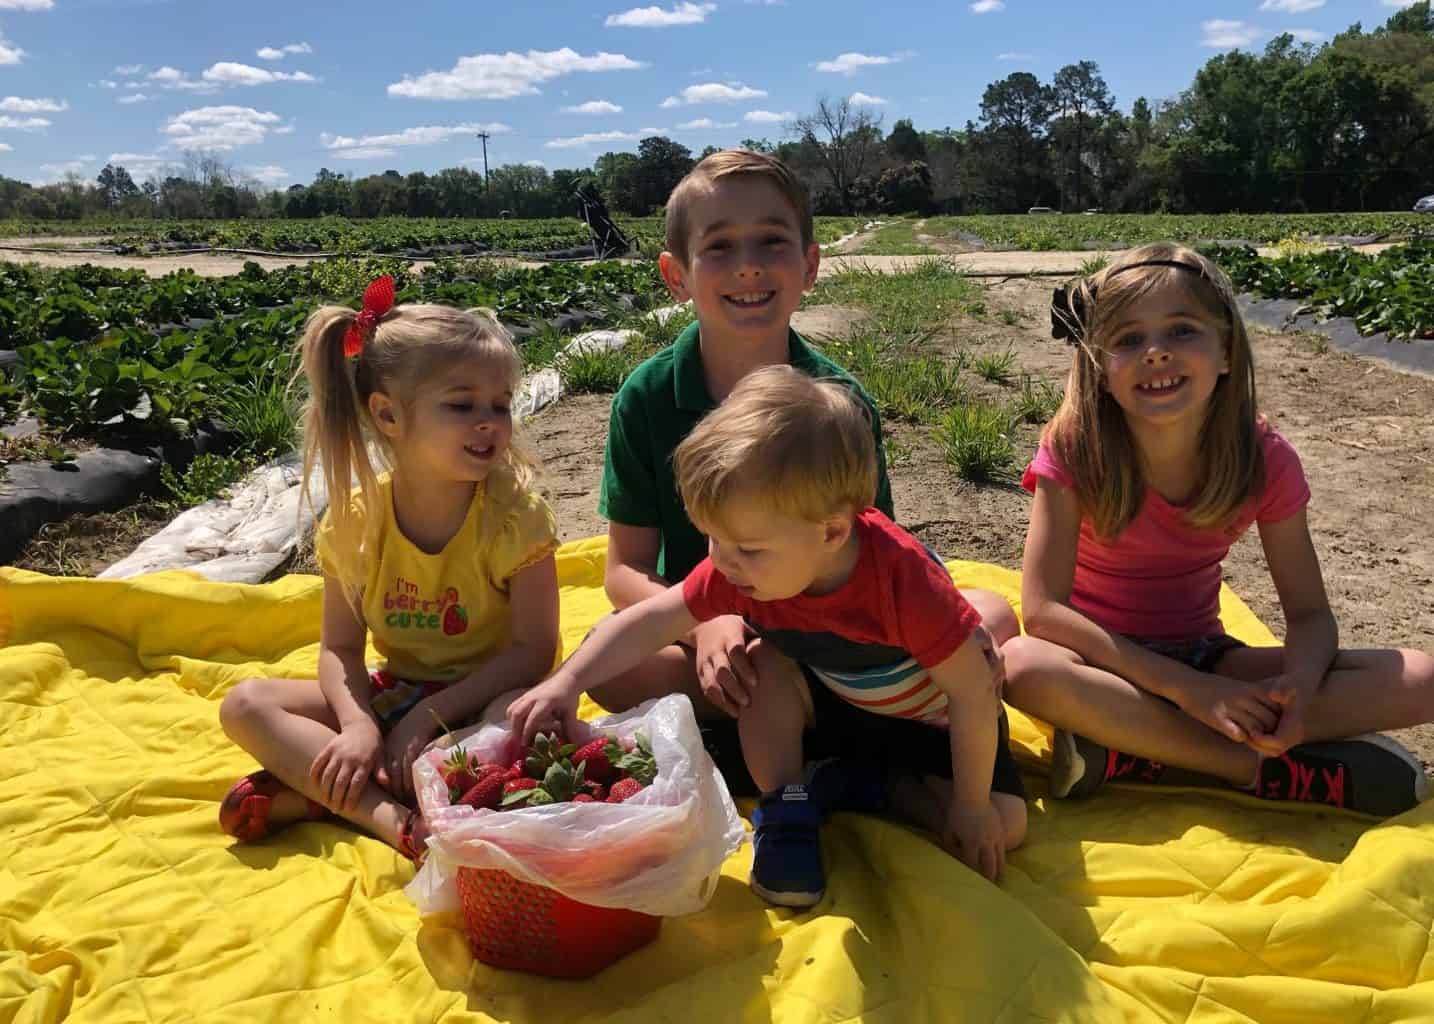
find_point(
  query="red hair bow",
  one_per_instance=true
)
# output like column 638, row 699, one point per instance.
column 377, row 300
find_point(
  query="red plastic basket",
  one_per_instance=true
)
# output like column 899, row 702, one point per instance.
column 532, row 928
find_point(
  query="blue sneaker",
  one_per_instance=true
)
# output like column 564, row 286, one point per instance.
column 847, row 784
column 786, row 849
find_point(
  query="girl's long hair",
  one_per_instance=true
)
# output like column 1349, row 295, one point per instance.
column 1089, row 434
column 409, row 350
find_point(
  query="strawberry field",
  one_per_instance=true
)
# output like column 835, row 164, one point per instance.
column 101, row 349
column 1390, row 292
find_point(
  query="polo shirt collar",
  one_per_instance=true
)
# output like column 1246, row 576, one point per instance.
column 689, row 382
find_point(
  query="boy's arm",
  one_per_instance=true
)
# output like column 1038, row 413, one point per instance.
column 631, row 572
column 615, row 645
column 972, row 678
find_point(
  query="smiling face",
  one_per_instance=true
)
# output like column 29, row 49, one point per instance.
column 1164, row 357
column 746, row 267
column 456, row 428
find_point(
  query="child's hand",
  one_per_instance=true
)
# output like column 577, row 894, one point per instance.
column 724, row 669
column 343, row 768
column 974, row 834
column 1290, row 731
column 551, row 706
column 407, row 740
column 1233, row 708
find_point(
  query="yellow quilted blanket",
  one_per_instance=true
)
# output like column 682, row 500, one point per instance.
column 121, row 901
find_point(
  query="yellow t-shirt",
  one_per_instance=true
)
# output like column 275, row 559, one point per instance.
column 437, row 617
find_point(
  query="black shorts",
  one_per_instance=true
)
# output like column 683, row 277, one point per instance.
column 902, row 746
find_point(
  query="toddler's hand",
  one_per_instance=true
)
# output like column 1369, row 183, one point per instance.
column 724, row 668
column 974, row 834
column 548, row 707
column 1289, row 699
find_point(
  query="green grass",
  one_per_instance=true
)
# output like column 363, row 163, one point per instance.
column 265, row 414
column 1037, row 400
column 896, row 238
column 909, row 303
column 975, row 439
column 995, row 367
column 206, row 478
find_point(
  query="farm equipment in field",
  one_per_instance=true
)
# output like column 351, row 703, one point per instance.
column 608, row 239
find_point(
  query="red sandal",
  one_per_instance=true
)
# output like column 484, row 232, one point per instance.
column 406, row 845
column 244, row 813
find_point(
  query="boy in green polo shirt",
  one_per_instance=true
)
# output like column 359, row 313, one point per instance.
column 740, row 247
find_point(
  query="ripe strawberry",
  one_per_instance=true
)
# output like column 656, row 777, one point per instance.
column 584, row 798
column 486, row 792
column 455, row 620
column 637, row 762
column 517, row 791
column 622, row 789
column 596, row 790
column 599, row 762
column 517, row 770
column 458, row 774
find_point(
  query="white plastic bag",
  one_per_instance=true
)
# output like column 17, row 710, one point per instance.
column 657, row 852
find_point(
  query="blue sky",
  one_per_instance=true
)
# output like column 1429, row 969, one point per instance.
column 282, row 89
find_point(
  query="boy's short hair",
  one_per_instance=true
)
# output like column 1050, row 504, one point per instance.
column 802, row 445
column 727, row 163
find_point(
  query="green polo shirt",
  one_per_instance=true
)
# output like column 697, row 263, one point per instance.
column 656, row 407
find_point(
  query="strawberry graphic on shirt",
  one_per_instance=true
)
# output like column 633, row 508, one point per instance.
column 455, row 620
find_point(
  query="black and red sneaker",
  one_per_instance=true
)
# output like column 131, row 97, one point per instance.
column 1370, row 774
column 1080, row 766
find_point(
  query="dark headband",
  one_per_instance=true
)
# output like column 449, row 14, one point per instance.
column 1068, row 308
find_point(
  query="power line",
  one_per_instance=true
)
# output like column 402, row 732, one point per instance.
column 484, row 137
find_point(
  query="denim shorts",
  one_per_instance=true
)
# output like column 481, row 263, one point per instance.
column 1202, row 654
column 394, row 697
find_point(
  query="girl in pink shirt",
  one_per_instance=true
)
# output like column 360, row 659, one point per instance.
column 1156, row 462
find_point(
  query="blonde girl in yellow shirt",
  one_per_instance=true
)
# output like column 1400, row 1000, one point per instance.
column 442, row 554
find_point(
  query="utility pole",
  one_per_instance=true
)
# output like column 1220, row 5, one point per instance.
column 484, row 137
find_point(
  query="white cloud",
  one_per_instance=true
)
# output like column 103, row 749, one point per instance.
column 172, row 78
column 364, row 153
column 57, row 171
column 592, row 139
column 165, row 74
column 714, row 92
column 105, row 83
column 535, row 163
column 5, row 147
column 126, row 70
column 987, row 6
column 862, row 99
column 280, row 52
column 10, row 54
column 1399, row 3
column 656, row 17
column 1292, row 6
column 133, row 97
column 594, row 107
column 26, row 5
column 140, row 165
column 269, row 174
column 16, row 105
column 502, row 76
column 700, row 123
column 225, row 127
column 366, row 146
column 24, row 124
column 1307, row 35
column 1015, row 55
column 768, row 116
column 851, row 63
column 1223, row 34
column 230, row 73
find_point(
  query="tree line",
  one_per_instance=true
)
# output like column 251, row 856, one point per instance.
column 1346, row 125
